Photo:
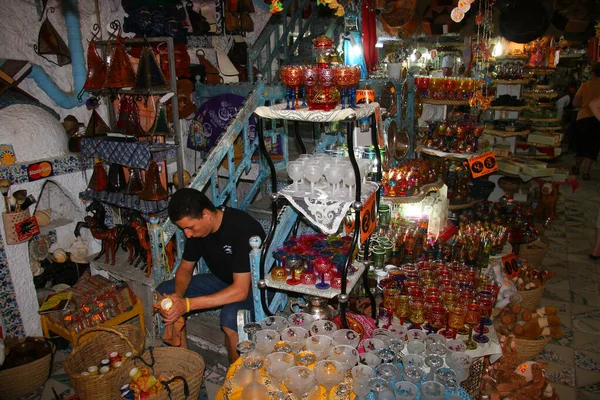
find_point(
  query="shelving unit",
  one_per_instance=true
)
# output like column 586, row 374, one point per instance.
column 350, row 117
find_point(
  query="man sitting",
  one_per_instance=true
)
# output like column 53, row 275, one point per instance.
column 220, row 235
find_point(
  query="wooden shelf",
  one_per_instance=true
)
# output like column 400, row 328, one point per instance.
column 312, row 290
column 122, row 270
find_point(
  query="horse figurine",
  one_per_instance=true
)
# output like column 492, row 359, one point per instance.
column 107, row 236
column 98, row 213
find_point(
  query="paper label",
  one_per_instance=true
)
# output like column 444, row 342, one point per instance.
column 483, row 164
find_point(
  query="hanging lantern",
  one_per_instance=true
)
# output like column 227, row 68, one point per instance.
column 153, row 188
column 161, row 125
column 116, row 178
column 99, row 178
column 129, row 117
column 96, row 69
column 96, row 126
column 50, row 43
column 149, row 74
column 135, row 185
column 120, row 73
column 457, row 15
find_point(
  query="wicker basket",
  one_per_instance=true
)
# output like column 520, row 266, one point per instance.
column 22, row 380
column 89, row 352
column 534, row 253
column 531, row 298
column 186, row 367
column 528, row 349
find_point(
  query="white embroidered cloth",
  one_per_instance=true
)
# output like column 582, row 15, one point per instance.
column 278, row 111
column 322, row 209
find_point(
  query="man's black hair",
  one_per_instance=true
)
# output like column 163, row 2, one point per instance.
column 187, row 202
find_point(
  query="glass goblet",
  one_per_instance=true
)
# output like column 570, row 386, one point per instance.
column 472, row 318
column 255, row 390
column 265, row 341
column 456, row 319
column 329, row 373
column 295, row 170
column 322, row 266
column 413, row 360
column 294, row 263
column 296, row 336
column 381, row 389
column 432, row 391
column 350, row 181
column 347, row 337
column 433, row 361
column 370, row 359
column 387, row 355
column 305, row 358
column 388, row 371
column 413, row 375
column 402, row 308
column 300, row 319
column 334, row 175
column 299, row 380
column 251, row 328
column 274, row 322
column 313, row 173
column 360, row 380
column 406, row 391
column 345, row 355
column 320, row 345
column 276, row 364
column 243, row 376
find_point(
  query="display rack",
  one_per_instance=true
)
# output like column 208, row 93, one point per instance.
column 350, row 117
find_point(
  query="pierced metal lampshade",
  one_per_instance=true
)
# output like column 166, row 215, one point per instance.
column 96, row 69
column 99, row 178
column 50, row 43
column 120, row 72
column 153, row 188
column 116, row 178
column 149, row 74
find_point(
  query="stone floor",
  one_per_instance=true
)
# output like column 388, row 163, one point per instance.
column 574, row 360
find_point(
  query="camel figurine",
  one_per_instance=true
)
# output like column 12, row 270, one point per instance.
column 107, row 236
column 144, row 240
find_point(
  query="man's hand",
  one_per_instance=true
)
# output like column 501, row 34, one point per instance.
column 177, row 310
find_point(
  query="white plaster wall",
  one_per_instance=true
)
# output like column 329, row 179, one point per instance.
column 18, row 255
column 20, row 27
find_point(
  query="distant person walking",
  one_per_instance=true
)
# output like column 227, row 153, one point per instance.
column 588, row 125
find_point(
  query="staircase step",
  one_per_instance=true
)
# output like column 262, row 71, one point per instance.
column 206, row 338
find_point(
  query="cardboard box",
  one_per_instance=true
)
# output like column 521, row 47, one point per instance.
column 509, row 167
column 547, row 138
column 501, row 149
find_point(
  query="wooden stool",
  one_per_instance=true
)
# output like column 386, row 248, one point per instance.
column 136, row 311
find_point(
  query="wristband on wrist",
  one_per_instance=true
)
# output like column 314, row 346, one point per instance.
column 187, row 303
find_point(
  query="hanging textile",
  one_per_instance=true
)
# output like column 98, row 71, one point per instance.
column 369, row 34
